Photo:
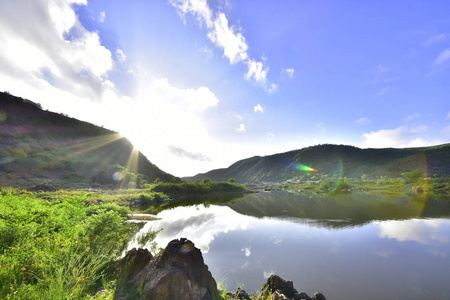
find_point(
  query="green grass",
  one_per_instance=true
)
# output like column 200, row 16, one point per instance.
column 58, row 249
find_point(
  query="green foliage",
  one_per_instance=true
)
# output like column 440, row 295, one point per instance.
column 232, row 180
column 335, row 161
column 412, row 177
column 192, row 189
column 52, row 249
column 147, row 240
column 18, row 153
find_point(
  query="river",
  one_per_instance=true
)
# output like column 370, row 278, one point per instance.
column 357, row 245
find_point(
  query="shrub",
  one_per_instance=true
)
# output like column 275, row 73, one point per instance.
column 18, row 152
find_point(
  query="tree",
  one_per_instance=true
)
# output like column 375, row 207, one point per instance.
column 412, row 177
column 232, row 180
column 363, row 177
column 206, row 180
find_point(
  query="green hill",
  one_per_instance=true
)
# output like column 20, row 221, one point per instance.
column 335, row 161
column 38, row 146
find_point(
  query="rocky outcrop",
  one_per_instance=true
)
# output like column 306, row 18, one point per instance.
column 42, row 188
column 281, row 289
column 178, row 273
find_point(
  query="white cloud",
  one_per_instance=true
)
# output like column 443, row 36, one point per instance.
column 435, row 39
column 47, row 56
column 364, row 121
column 49, row 46
column 384, row 253
column 178, row 151
column 288, row 72
column 384, row 90
column 272, row 88
column 416, row 230
column 207, row 52
column 258, row 108
column 269, row 135
column 121, row 57
column 220, row 33
column 448, row 115
column 226, row 37
column 420, row 142
column 256, row 70
column 386, row 137
column 419, row 129
column 198, row 8
column 198, row 224
column 399, row 137
column 101, row 17
column 247, row 251
column 412, row 117
column 446, row 131
column 233, row 43
column 442, row 57
column 241, row 128
column 382, row 69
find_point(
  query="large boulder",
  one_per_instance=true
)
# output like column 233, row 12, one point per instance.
column 178, row 273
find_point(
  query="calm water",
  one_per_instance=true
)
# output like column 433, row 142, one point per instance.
column 367, row 246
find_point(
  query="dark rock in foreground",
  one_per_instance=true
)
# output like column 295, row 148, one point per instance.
column 179, row 272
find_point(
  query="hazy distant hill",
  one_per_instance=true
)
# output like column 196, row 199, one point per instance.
column 38, row 146
column 335, row 160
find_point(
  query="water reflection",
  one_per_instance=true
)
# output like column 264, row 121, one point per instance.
column 353, row 209
column 418, row 230
column 198, row 223
column 349, row 247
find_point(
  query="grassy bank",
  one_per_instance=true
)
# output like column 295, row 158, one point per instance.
column 435, row 185
column 58, row 249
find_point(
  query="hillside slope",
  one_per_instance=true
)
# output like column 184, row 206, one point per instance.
column 38, row 146
column 335, row 160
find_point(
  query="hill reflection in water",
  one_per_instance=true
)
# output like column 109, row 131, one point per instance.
column 367, row 246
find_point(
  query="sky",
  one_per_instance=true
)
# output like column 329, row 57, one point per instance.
column 197, row 85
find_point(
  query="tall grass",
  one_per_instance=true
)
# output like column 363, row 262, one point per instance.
column 58, row 249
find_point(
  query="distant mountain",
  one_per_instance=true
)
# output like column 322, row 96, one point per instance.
column 333, row 161
column 38, row 146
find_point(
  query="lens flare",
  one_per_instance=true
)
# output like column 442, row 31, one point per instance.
column 3, row 116
column 305, row 168
column 339, row 175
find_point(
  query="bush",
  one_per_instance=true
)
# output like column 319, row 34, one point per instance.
column 18, row 152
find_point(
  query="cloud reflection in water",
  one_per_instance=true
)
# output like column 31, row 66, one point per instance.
column 199, row 224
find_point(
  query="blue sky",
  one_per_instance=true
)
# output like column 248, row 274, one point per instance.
column 197, row 85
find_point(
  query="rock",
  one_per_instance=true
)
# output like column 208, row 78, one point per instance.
column 276, row 283
column 319, row 296
column 133, row 262
column 282, row 289
column 42, row 187
column 178, row 273
column 241, row 295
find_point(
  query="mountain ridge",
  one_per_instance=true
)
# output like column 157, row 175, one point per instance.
column 335, row 160
column 38, row 146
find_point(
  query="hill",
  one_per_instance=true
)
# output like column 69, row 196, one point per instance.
column 335, row 161
column 38, row 146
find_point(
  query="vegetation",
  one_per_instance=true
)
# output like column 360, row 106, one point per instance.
column 65, row 244
column 336, row 161
column 58, row 249
column 412, row 182
column 40, row 146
